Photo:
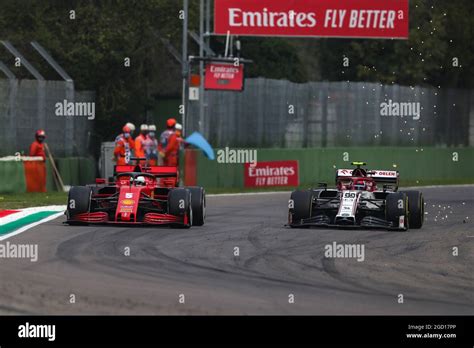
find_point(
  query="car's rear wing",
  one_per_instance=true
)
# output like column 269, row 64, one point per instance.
column 341, row 173
column 124, row 169
column 382, row 177
column 158, row 171
column 162, row 171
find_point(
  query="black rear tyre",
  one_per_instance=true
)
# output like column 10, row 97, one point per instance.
column 198, row 205
column 416, row 207
column 396, row 205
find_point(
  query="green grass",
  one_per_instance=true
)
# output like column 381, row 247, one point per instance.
column 25, row 200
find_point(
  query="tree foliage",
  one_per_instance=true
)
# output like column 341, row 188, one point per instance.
column 92, row 48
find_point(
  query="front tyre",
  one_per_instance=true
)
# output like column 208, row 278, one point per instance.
column 416, row 207
column 300, row 206
column 78, row 202
column 198, row 205
column 396, row 210
column 179, row 204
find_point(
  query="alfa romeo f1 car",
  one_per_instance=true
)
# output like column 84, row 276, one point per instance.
column 140, row 194
column 358, row 201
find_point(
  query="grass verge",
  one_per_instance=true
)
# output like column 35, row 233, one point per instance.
column 25, row 200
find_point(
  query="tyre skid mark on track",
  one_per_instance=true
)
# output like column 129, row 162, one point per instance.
column 15, row 310
column 64, row 253
column 330, row 268
column 241, row 272
column 70, row 249
column 267, row 256
column 254, row 276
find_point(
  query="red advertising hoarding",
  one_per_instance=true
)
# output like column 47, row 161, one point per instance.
column 222, row 76
column 274, row 173
column 313, row 18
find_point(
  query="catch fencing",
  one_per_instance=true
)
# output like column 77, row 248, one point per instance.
column 278, row 113
column 28, row 105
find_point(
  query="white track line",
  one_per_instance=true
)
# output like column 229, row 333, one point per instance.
column 27, row 227
column 21, row 213
column 34, row 210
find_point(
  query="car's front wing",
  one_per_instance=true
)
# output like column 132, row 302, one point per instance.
column 325, row 221
column 148, row 219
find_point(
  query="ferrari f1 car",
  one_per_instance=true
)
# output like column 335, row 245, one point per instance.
column 140, row 194
column 362, row 198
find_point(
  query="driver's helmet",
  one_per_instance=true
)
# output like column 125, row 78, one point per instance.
column 359, row 172
column 140, row 181
column 360, row 185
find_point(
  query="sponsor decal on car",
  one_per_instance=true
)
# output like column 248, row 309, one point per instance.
column 401, row 221
column 387, row 173
column 344, row 172
column 348, row 205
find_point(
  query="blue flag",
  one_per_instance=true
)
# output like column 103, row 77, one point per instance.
column 200, row 142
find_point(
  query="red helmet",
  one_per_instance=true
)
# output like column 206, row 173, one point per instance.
column 126, row 129
column 40, row 133
column 171, row 122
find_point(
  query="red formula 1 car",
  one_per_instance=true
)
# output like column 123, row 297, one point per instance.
column 140, row 194
column 362, row 198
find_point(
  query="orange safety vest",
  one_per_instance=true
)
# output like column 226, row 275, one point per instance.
column 37, row 149
column 172, row 150
column 123, row 150
column 139, row 146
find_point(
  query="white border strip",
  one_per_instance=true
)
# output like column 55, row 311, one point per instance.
column 27, row 227
column 11, row 217
column 22, row 213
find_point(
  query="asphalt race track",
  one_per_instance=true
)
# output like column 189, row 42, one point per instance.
column 274, row 262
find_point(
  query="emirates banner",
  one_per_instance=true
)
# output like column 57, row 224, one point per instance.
column 313, row 18
column 221, row 76
column 272, row 173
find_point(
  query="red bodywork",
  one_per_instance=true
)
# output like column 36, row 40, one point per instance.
column 126, row 202
column 352, row 182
